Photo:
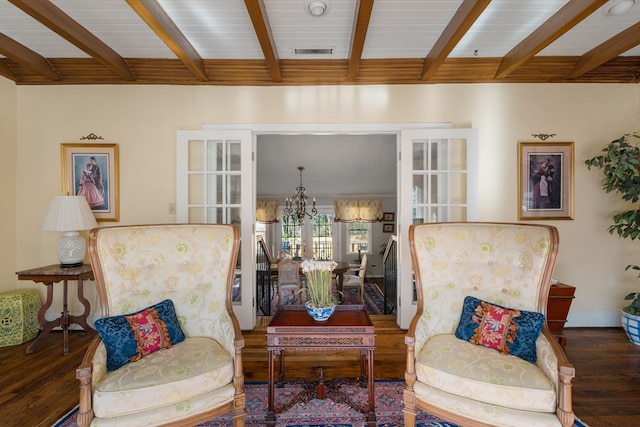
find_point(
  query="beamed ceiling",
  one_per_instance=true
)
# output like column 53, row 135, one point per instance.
column 268, row 42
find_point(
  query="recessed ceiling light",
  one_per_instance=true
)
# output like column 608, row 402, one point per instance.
column 620, row 7
column 317, row 7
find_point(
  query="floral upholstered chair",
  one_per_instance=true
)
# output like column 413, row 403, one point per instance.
column 479, row 352
column 169, row 350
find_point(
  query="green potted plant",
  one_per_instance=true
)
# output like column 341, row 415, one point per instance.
column 620, row 164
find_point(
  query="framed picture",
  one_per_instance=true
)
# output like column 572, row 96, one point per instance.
column 388, row 217
column 91, row 170
column 545, row 180
column 387, row 228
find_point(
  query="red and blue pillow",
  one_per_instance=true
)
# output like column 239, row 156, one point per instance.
column 510, row 331
column 130, row 337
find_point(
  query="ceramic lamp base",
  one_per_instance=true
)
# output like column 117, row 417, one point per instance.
column 71, row 249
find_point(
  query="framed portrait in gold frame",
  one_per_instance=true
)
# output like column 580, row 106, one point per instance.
column 545, row 180
column 91, row 170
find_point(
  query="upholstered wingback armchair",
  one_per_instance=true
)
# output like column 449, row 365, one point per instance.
column 479, row 351
column 165, row 294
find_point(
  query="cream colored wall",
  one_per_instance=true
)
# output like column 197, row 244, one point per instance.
column 8, row 163
column 143, row 120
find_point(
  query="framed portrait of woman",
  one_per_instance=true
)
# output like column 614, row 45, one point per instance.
column 91, row 170
column 545, row 180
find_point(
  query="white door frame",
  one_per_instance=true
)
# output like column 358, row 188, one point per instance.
column 405, row 309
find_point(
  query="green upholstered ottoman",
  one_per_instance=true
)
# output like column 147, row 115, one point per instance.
column 19, row 316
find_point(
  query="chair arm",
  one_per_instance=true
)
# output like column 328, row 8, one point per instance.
column 563, row 373
column 410, row 370
column 84, row 373
column 238, row 376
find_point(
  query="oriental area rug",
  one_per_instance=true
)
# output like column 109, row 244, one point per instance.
column 319, row 413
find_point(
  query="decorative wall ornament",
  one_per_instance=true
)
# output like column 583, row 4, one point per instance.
column 543, row 136
column 91, row 136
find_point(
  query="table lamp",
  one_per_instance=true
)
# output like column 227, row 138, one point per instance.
column 70, row 214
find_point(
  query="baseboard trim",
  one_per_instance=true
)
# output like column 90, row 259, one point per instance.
column 607, row 318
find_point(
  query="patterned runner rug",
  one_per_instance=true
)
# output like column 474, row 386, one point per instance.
column 319, row 413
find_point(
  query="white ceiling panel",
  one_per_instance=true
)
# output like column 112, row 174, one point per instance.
column 406, row 29
column 215, row 36
column 503, row 25
column 596, row 28
column 218, row 29
column 116, row 24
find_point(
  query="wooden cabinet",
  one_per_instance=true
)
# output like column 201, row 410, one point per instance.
column 558, row 304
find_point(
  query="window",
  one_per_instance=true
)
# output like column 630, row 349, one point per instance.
column 358, row 237
column 315, row 241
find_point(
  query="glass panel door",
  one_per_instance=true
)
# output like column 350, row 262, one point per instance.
column 214, row 186
column 437, row 182
column 314, row 239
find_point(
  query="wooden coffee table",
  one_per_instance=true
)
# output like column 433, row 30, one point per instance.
column 349, row 328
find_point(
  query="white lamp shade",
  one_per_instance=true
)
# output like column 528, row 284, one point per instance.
column 70, row 214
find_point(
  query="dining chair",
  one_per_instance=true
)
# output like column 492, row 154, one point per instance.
column 289, row 279
column 355, row 276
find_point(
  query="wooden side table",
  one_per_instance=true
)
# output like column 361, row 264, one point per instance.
column 558, row 304
column 349, row 328
column 49, row 275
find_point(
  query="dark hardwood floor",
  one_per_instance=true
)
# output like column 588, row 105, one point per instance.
column 37, row 389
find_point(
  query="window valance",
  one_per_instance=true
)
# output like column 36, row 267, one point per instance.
column 357, row 210
column 267, row 211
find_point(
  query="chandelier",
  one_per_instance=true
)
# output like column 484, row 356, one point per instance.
column 297, row 204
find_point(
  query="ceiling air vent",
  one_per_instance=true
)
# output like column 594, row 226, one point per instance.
column 314, row 51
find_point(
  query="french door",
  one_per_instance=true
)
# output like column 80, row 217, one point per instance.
column 215, row 185
column 437, row 181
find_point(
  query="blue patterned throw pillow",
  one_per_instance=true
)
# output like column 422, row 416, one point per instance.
column 130, row 337
column 510, row 331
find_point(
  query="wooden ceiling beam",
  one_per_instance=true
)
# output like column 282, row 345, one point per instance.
column 260, row 20
column 5, row 70
column 359, row 35
column 466, row 15
column 25, row 56
column 607, row 50
column 562, row 21
column 158, row 20
column 56, row 20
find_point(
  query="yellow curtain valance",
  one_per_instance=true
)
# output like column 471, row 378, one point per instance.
column 357, row 210
column 267, row 211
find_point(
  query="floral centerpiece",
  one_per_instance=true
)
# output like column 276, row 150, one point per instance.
column 321, row 301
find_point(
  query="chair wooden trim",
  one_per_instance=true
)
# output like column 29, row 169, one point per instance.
column 565, row 369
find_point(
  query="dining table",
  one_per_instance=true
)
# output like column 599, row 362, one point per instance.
column 339, row 271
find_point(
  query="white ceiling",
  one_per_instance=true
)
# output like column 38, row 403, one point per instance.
column 344, row 165
column 226, row 30
column 398, row 28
